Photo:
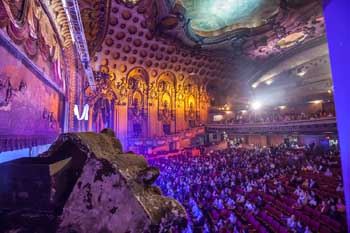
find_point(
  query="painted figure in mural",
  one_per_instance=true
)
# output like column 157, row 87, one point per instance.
column 101, row 113
column 7, row 90
column 49, row 117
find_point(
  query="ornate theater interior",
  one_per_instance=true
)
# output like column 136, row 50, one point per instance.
column 168, row 116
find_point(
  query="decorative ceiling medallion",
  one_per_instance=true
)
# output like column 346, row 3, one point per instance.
column 214, row 17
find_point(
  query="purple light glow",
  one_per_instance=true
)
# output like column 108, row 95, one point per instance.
column 337, row 21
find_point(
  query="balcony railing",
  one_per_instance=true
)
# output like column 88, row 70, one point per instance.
column 320, row 125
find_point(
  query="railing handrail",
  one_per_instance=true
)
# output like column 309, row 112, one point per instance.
column 323, row 120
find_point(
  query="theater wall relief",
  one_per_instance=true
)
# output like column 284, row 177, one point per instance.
column 30, row 112
column 159, row 86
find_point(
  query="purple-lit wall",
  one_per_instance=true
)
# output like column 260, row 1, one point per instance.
column 338, row 34
column 30, row 110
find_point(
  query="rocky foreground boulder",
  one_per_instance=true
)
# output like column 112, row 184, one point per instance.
column 93, row 187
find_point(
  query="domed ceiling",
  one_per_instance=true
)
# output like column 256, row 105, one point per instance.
column 214, row 17
column 231, row 43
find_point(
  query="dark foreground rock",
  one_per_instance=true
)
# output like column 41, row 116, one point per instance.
column 93, row 187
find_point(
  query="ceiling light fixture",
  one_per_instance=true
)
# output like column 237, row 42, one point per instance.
column 269, row 82
column 316, row 102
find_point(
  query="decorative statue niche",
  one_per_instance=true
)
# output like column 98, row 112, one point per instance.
column 166, row 100
column 191, row 103
column 102, row 101
column 191, row 113
column 203, row 97
column 137, row 82
column 137, row 103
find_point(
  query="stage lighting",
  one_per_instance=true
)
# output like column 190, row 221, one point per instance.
column 282, row 107
column 256, row 105
column 316, row 102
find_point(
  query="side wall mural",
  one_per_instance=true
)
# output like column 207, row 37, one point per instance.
column 37, row 90
column 27, row 106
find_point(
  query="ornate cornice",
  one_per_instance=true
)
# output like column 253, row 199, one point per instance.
column 274, row 61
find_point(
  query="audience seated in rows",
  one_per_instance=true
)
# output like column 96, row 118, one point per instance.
column 261, row 190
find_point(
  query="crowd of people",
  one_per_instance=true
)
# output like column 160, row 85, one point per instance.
column 276, row 116
column 257, row 190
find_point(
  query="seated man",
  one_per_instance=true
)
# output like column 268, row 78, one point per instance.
column 218, row 203
column 230, row 204
column 240, row 198
column 291, row 222
column 232, row 218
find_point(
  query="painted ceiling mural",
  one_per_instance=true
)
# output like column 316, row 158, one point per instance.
column 290, row 30
column 213, row 17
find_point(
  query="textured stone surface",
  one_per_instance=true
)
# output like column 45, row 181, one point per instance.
column 97, row 188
